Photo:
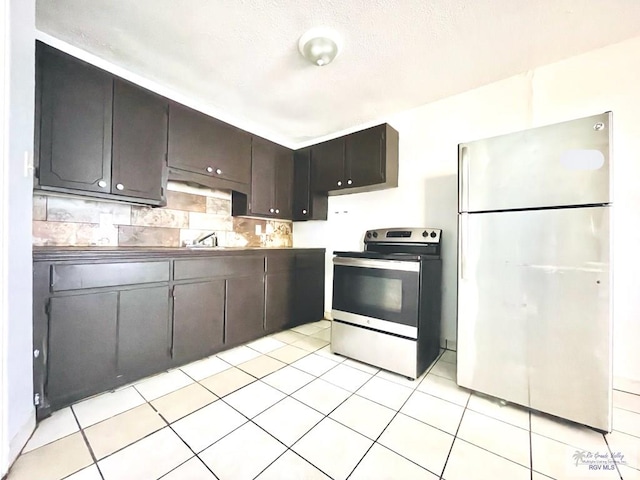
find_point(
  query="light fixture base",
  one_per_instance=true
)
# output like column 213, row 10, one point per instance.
column 320, row 45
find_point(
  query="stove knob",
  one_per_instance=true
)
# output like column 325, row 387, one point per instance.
column 368, row 234
column 433, row 234
column 425, row 233
column 375, row 234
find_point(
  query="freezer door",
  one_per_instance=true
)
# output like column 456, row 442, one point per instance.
column 534, row 310
column 556, row 165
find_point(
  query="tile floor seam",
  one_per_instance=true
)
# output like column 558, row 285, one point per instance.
column 86, row 441
column 455, row 437
column 308, row 461
column 382, row 432
column 611, row 453
column 323, row 416
column 557, row 440
column 626, row 409
column 626, row 391
column 251, row 420
column 494, row 418
column 530, row 449
column 287, row 448
column 129, row 444
column 182, row 440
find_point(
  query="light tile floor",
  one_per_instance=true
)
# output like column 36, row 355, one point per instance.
column 285, row 407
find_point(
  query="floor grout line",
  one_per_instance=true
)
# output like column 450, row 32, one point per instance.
column 89, row 447
column 530, row 449
column 314, row 377
column 455, row 437
column 611, row 456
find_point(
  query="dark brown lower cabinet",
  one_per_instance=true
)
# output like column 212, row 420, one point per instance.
column 198, row 319
column 309, row 289
column 126, row 318
column 245, row 309
column 82, row 346
column 279, row 300
column 144, row 331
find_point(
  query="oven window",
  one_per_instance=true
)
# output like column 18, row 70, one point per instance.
column 379, row 293
column 384, row 294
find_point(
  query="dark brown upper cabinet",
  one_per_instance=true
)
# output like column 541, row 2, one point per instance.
column 327, row 165
column 97, row 135
column 208, row 151
column 271, row 180
column 73, row 120
column 360, row 162
column 140, row 119
column 307, row 204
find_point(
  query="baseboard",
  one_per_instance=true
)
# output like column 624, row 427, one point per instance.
column 626, row 385
column 21, row 438
column 448, row 344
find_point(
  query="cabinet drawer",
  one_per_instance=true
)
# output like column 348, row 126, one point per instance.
column 218, row 267
column 280, row 262
column 310, row 260
column 75, row 277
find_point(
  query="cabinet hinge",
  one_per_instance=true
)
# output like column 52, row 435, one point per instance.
column 47, row 307
column 36, row 399
column 36, row 172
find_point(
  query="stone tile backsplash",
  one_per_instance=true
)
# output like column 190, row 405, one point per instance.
column 190, row 213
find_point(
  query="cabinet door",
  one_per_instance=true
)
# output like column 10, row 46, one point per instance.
column 307, row 205
column 364, row 157
column 309, row 298
column 198, row 319
column 245, row 309
column 279, row 288
column 327, row 166
column 74, row 123
column 263, row 177
column 271, row 179
column 301, row 184
column 309, row 288
column 82, row 346
column 201, row 144
column 144, row 331
column 284, row 183
column 139, row 142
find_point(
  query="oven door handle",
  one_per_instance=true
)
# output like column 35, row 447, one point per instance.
column 412, row 266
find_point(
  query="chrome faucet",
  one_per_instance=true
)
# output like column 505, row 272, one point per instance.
column 202, row 238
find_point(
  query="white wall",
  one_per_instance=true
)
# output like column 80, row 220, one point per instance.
column 602, row 80
column 17, row 100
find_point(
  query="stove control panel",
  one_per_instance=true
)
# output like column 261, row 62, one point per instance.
column 403, row 235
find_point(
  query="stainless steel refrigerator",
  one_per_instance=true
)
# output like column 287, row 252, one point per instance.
column 534, row 269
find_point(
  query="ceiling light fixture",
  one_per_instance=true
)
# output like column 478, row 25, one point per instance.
column 320, row 45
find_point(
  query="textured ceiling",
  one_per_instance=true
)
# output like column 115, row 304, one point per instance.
column 240, row 56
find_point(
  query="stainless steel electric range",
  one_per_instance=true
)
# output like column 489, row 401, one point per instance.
column 387, row 300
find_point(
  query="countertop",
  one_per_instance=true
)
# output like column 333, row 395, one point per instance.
column 98, row 253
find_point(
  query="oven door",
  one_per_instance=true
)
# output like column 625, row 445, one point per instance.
column 378, row 294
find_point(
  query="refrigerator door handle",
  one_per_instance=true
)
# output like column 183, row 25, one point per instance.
column 464, row 235
column 463, row 187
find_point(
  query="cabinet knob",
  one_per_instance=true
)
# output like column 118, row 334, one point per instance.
column 209, row 169
column 271, row 210
column 304, row 211
column 349, row 182
column 339, row 183
column 218, row 171
column 120, row 186
column 102, row 184
column 277, row 210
